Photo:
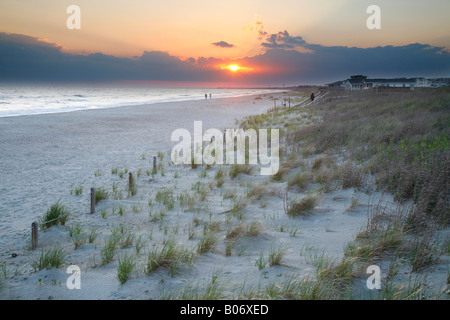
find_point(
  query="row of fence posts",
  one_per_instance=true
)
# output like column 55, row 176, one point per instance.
column 35, row 224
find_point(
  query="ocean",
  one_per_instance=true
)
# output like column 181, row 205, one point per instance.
column 29, row 100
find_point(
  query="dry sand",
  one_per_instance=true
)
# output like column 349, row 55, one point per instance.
column 44, row 157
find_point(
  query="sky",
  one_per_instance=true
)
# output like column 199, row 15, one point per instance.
column 236, row 43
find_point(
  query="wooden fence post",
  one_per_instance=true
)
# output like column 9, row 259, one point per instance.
column 154, row 164
column 34, row 235
column 130, row 181
column 92, row 200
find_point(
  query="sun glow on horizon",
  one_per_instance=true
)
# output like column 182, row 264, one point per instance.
column 235, row 68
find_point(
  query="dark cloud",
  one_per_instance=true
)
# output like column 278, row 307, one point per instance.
column 223, row 44
column 24, row 58
column 283, row 40
column 27, row 58
column 325, row 64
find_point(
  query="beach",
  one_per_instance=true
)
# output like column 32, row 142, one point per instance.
column 46, row 156
column 59, row 157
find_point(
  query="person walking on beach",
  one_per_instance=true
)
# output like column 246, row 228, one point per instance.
column 206, row 96
column 312, row 96
column 210, row 96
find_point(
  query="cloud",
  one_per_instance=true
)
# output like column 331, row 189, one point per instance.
column 325, row 64
column 25, row 58
column 283, row 40
column 223, row 44
column 292, row 59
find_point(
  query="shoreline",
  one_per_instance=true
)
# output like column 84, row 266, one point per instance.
column 146, row 104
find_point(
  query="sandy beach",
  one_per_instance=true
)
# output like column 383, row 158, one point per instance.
column 45, row 158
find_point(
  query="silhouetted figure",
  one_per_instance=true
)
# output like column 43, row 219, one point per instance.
column 210, row 96
column 312, row 96
column 206, row 96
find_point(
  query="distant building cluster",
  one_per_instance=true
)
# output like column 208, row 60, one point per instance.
column 360, row 82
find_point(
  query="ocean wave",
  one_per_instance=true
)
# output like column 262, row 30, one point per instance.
column 33, row 100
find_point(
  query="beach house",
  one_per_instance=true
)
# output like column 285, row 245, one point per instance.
column 360, row 82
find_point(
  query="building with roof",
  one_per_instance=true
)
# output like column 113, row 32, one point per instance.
column 360, row 82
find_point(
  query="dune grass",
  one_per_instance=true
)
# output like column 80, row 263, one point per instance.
column 49, row 258
column 207, row 242
column 170, row 256
column 300, row 180
column 56, row 214
column 276, row 254
column 110, row 248
column 166, row 198
column 237, row 169
column 302, row 207
column 126, row 266
column 100, row 194
column 214, row 289
column 402, row 140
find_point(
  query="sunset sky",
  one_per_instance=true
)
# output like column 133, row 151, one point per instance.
column 266, row 42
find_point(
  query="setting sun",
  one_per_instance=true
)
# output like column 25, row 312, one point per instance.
column 235, row 68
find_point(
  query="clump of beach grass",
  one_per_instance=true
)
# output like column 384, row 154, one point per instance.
column 253, row 230
column 92, row 235
column 299, row 288
column 126, row 266
column 201, row 189
column 237, row 169
column 276, row 254
column 239, row 203
column 187, row 201
column 166, row 198
column 170, row 256
column 126, row 239
column 139, row 244
column 77, row 191
column 300, row 180
column 317, row 163
column 258, row 191
column 77, row 235
column 98, row 173
column 285, row 168
column 207, row 242
column 301, row 208
column 235, row 232
column 219, row 177
column 109, row 249
column 261, row 262
column 57, row 214
column 352, row 177
column 100, row 194
column 213, row 290
column 49, row 258
column 383, row 233
column 229, row 194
